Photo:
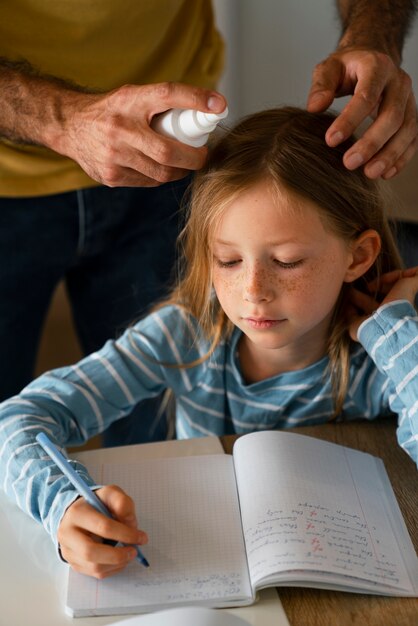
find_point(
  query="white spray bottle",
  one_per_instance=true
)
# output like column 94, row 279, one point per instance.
column 187, row 125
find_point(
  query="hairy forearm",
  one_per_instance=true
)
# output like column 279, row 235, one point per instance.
column 34, row 109
column 107, row 133
column 380, row 24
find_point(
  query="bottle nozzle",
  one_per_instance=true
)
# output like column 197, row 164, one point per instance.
column 188, row 125
column 210, row 119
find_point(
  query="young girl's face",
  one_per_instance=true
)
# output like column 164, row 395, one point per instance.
column 277, row 272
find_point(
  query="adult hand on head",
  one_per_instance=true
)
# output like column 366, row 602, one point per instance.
column 381, row 90
column 110, row 137
column 395, row 285
column 82, row 530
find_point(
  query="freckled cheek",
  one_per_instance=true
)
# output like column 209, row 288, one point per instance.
column 307, row 288
column 320, row 285
column 296, row 295
column 223, row 284
column 299, row 283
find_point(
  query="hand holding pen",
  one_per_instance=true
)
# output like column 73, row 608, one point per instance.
column 107, row 513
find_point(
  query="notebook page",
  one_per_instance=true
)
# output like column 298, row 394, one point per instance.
column 189, row 508
column 311, row 508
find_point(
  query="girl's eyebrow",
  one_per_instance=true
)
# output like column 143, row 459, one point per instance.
column 223, row 242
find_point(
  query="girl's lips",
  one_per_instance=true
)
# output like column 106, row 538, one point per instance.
column 261, row 323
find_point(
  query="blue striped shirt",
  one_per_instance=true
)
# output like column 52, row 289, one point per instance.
column 72, row 404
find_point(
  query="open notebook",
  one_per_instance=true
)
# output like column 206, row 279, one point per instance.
column 286, row 509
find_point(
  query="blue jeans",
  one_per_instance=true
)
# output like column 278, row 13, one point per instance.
column 115, row 249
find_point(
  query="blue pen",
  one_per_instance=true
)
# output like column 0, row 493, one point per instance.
column 82, row 487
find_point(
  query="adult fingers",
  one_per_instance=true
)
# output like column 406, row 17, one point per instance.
column 130, row 165
column 110, row 135
column 155, row 158
column 402, row 161
column 164, row 154
column 327, row 77
column 380, row 90
column 115, row 175
column 390, row 140
column 133, row 103
column 367, row 76
column 160, row 97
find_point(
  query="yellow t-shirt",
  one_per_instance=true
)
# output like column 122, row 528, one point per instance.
column 101, row 44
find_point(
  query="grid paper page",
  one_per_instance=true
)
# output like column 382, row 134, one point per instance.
column 313, row 510
column 189, row 508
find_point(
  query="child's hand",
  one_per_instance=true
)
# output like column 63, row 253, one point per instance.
column 83, row 529
column 396, row 285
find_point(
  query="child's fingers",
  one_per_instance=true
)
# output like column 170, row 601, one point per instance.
column 96, row 571
column 409, row 272
column 86, row 518
column 111, row 561
column 399, row 284
column 89, row 548
column 83, row 528
column 396, row 285
column 82, row 549
column 362, row 301
column 384, row 283
column 120, row 505
column 359, row 307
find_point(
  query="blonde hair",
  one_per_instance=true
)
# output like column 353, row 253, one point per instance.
column 286, row 148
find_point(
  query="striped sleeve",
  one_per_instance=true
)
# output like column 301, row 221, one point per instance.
column 390, row 336
column 72, row 404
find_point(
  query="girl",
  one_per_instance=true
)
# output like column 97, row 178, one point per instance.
column 291, row 309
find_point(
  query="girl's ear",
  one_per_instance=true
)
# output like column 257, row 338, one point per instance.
column 364, row 251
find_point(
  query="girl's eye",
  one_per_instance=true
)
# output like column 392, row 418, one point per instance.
column 221, row 263
column 288, row 266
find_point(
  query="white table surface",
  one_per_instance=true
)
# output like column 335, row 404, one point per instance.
column 33, row 580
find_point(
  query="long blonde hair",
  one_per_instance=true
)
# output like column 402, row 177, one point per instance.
column 286, row 148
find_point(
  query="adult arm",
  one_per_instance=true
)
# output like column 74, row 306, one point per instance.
column 366, row 64
column 107, row 134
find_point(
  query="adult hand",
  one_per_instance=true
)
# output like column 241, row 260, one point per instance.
column 110, row 137
column 381, row 90
column 83, row 529
column 395, row 285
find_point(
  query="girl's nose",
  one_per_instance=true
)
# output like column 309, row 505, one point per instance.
column 257, row 287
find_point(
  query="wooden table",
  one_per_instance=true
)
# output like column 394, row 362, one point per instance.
column 313, row 607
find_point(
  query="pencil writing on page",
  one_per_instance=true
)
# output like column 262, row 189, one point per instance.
column 80, row 485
